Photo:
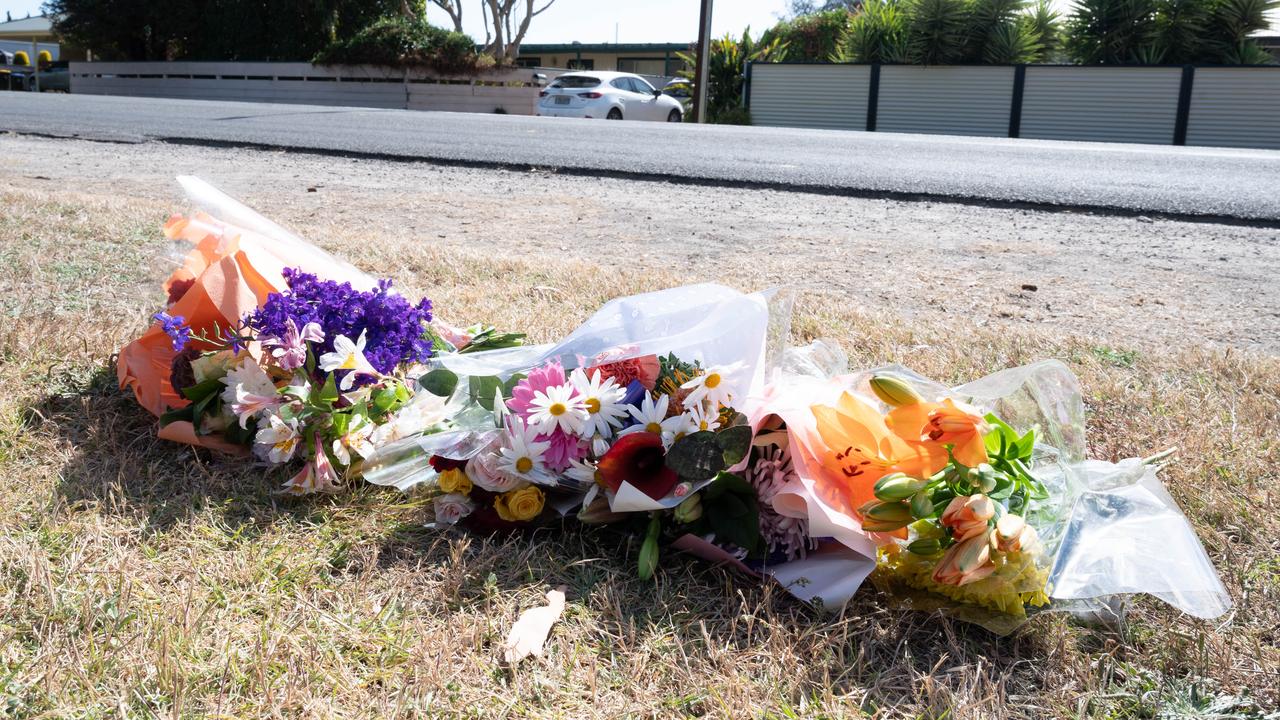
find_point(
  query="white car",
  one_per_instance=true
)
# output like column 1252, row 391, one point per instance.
column 608, row 95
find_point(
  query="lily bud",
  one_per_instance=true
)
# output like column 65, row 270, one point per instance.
column 921, row 505
column 966, row 562
column 887, row 517
column 925, row 547
column 1013, row 534
column 897, row 486
column 689, row 510
column 894, row 391
column 967, row 517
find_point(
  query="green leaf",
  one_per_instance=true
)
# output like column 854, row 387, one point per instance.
column 727, row 482
column 647, row 562
column 1027, row 443
column 200, row 391
column 383, row 399
column 696, row 456
column 482, row 390
column 341, row 421
column 180, row 414
column 329, row 392
column 735, row 442
column 440, row 382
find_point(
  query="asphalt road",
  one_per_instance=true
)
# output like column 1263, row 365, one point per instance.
column 1135, row 179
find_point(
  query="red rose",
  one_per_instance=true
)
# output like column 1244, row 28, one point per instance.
column 638, row 459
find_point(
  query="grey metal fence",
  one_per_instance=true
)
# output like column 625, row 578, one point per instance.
column 1225, row 106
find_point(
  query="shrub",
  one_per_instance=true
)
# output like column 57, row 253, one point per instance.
column 404, row 42
column 726, row 71
column 810, row 38
column 879, row 33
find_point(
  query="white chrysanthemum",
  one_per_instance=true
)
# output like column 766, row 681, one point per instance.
column 718, row 386
column 247, row 377
column 651, row 416
column 557, row 407
column 277, row 440
column 603, row 401
column 522, row 454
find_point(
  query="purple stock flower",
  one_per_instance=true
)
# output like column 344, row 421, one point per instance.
column 394, row 329
column 175, row 326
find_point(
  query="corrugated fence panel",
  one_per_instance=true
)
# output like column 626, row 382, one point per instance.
column 957, row 100
column 810, row 96
column 1235, row 107
column 1119, row 104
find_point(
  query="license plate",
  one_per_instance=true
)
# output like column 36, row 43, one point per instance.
column 562, row 99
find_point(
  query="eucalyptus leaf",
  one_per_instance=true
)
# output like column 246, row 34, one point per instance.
column 440, row 382
column 735, row 442
column 696, row 456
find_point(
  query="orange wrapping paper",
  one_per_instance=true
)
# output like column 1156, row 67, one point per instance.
column 232, row 271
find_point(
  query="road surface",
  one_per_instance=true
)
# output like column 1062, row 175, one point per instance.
column 1132, row 179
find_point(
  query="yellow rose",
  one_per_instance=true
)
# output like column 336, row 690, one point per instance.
column 455, row 481
column 519, row 505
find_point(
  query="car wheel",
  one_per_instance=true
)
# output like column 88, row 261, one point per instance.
column 614, row 114
column 674, row 116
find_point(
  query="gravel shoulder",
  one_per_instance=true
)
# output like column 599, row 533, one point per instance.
column 1129, row 282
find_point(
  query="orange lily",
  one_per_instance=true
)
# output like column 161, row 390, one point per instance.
column 944, row 423
column 861, row 449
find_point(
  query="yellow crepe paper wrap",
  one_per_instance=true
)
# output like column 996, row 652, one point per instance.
column 1018, row 581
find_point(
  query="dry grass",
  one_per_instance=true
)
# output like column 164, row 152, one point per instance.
column 139, row 578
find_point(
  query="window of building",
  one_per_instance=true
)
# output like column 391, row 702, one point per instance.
column 528, row 62
column 581, row 64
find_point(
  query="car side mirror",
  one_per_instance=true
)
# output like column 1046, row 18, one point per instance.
column 657, row 93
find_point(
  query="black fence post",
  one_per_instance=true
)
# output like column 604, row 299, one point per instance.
column 746, row 88
column 873, row 97
column 1184, row 105
column 1015, row 106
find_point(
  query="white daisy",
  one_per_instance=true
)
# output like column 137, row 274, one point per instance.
column 522, row 454
column 347, row 355
column 557, row 407
column 583, row 472
column 603, row 401
column 700, row 419
column 277, row 440
column 718, row 385
column 652, row 417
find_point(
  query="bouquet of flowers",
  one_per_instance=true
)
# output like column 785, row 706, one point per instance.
column 679, row 415
column 978, row 500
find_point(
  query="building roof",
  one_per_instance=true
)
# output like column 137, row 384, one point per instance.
column 620, row 48
column 39, row 27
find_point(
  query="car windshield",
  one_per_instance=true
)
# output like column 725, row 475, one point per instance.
column 575, row 81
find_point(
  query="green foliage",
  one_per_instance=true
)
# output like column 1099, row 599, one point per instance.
column 726, row 71
column 880, row 33
column 404, row 42
column 1045, row 22
column 1013, row 43
column 1168, row 31
column 813, row 37
column 939, row 31
column 1108, row 32
column 224, row 30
